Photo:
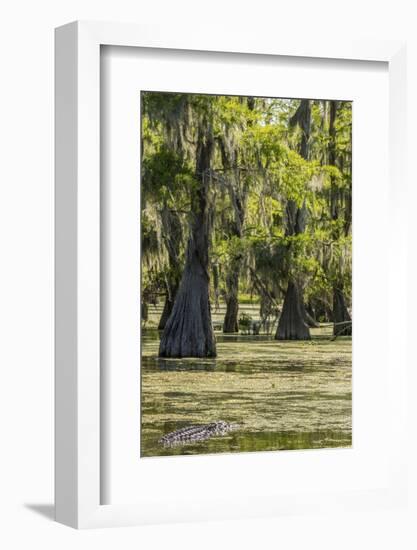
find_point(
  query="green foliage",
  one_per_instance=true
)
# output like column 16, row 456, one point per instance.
column 165, row 176
column 256, row 174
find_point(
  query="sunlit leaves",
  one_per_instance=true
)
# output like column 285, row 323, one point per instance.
column 257, row 158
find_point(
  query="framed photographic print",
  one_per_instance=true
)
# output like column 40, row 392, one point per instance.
column 221, row 215
column 246, row 215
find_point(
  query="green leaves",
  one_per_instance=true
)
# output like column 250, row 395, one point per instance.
column 165, row 177
column 279, row 185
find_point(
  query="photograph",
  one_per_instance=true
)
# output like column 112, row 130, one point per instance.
column 245, row 273
column 208, row 274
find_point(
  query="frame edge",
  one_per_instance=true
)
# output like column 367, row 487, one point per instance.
column 66, row 345
column 77, row 45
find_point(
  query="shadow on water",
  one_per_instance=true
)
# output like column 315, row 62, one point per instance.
column 283, row 395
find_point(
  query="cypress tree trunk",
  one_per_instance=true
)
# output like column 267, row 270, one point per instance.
column 238, row 199
column 308, row 316
column 168, row 306
column 341, row 318
column 291, row 325
column 231, row 323
column 144, row 311
column 172, row 234
column 188, row 331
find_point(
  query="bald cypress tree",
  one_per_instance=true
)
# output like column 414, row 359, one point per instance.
column 340, row 211
column 292, row 323
column 188, row 331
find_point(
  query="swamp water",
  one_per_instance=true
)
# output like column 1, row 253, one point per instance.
column 282, row 395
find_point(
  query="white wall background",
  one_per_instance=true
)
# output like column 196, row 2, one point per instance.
column 26, row 269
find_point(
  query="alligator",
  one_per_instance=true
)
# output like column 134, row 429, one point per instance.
column 191, row 434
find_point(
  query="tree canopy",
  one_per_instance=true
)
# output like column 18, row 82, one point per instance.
column 245, row 198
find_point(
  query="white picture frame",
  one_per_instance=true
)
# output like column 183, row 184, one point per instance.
column 77, row 244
